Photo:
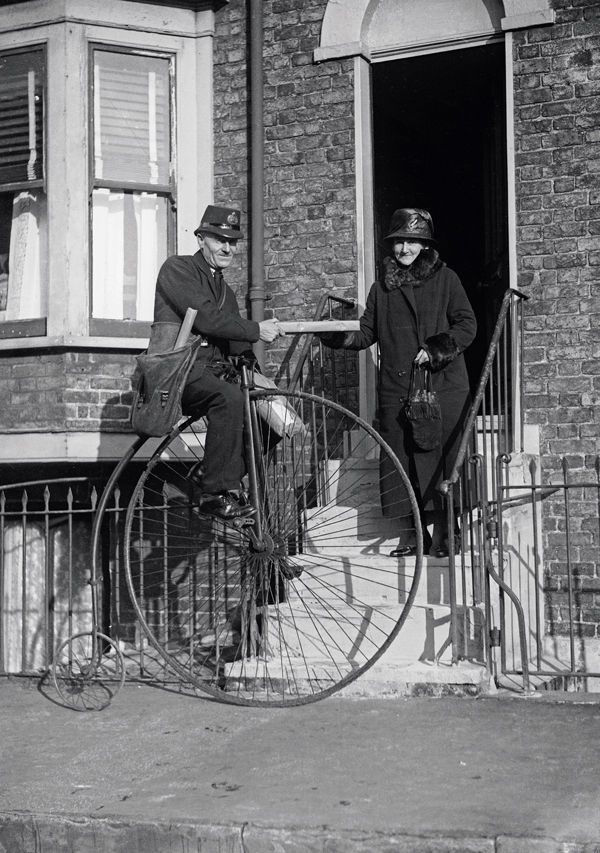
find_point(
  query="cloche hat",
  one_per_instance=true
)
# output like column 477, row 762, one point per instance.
column 411, row 223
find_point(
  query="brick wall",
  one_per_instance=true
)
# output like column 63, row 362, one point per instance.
column 310, row 239
column 310, row 230
column 54, row 392
column 557, row 136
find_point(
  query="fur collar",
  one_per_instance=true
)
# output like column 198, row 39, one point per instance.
column 427, row 263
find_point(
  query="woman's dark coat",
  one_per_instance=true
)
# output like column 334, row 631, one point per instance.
column 423, row 306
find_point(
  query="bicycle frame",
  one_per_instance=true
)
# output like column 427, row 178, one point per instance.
column 287, row 605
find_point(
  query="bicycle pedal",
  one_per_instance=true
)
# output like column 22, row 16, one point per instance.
column 243, row 521
column 237, row 522
column 289, row 571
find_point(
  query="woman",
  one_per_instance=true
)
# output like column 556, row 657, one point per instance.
column 419, row 314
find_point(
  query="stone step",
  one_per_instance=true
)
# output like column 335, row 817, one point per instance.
column 296, row 644
column 422, row 678
column 351, row 527
column 357, row 529
column 360, row 570
column 419, row 657
column 422, row 636
column 350, row 478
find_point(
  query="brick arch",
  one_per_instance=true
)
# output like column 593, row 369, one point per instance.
column 346, row 23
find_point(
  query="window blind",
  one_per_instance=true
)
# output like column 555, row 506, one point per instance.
column 131, row 118
column 22, row 116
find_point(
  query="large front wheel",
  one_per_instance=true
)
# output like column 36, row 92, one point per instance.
column 298, row 604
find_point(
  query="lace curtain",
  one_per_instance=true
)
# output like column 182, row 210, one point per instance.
column 23, row 274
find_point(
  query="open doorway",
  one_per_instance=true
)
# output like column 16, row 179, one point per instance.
column 439, row 142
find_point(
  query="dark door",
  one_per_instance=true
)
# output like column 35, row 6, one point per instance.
column 439, row 143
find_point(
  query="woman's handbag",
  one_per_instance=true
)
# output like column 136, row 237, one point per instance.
column 160, row 378
column 423, row 411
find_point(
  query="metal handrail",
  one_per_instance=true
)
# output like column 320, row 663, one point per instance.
column 481, row 388
column 447, row 488
column 306, row 346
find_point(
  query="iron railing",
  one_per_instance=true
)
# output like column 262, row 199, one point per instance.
column 548, row 553
column 521, row 591
column 44, row 568
column 318, row 369
column 494, row 425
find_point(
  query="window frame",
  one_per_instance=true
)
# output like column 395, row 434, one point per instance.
column 106, row 327
column 35, row 326
column 178, row 32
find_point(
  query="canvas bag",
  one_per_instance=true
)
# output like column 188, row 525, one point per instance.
column 160, row 377
column 423, row 410
column 276, row 411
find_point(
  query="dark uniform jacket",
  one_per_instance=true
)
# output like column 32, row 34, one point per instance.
column 186, row 281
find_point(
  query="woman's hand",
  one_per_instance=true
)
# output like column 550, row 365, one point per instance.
column 269, row 330
column 421, row 358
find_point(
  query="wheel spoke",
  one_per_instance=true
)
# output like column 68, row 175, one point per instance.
column 301, row 611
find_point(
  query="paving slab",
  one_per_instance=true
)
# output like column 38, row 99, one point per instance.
column 161, row 770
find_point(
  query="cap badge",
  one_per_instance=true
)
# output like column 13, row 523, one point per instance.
column 233, row 218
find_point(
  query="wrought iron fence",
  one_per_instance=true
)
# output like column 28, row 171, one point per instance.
column 547, row 538
column 523, row 579
column 46, row 541
column 44, row 568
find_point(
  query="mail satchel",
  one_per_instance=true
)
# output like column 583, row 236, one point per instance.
column 160, row 377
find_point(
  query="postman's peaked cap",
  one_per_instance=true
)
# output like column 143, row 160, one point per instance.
column 224, row 221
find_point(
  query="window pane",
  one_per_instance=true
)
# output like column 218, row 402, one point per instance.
column 23, row 254
column 130, row 244
column 131, row 118
column 21, row 116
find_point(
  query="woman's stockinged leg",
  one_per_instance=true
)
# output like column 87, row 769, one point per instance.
column 439, row 543
column 407, row 538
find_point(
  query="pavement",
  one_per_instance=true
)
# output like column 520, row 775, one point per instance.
column 162, row 771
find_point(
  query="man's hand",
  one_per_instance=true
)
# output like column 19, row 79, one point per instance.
column 421, row 358
column 269, row 330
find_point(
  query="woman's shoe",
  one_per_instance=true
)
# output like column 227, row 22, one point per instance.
column 442, row 551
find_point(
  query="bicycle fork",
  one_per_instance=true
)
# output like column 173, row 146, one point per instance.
column 253, row 527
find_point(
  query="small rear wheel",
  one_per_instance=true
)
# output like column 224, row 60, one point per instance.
column 88, row 671
column 298, row 604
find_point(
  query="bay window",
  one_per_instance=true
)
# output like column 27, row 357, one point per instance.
column 23, row 209
column 132, row 185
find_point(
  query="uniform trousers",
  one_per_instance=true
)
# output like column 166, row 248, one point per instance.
column 222, row 403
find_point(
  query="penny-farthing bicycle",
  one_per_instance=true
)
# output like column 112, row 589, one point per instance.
column 292, row 604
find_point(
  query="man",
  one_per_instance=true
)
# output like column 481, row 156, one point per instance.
column 196, row 281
